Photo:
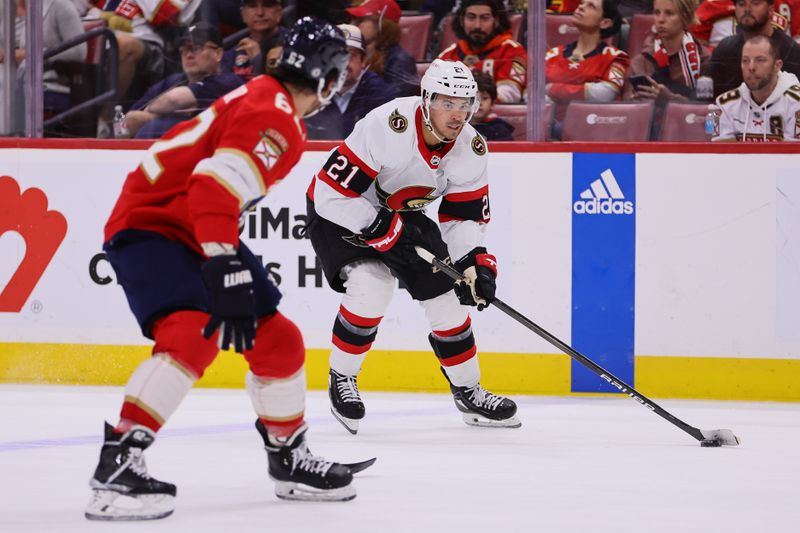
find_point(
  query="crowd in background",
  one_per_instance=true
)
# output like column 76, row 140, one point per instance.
column 175, row 57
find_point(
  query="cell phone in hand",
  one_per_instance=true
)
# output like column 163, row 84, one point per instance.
column 638, row 81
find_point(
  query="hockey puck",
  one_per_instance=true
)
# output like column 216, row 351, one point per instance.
column 710, row 443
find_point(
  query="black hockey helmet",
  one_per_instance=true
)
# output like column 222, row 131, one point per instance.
column 316, row 50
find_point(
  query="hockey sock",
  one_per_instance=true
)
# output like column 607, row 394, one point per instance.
column 369, row 289
column 154, row 392
column 278, row 402
column 353, row 336
column 452, row 340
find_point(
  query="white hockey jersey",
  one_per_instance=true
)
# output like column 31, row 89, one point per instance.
column 385, row 162
column 777, row 119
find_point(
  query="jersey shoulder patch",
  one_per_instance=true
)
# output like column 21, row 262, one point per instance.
column 478, row 145
column 730, row 96
column 398, row 122
column 793, row 92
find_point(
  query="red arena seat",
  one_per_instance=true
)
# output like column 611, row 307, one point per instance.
column 641, row 28
column 416, row 32
column 517, row 116
column 560, row 30
column 684, row 122
column 587, row 121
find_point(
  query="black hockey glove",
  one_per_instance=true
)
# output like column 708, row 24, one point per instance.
column 480, row 270
column 230, row 302
column 387, row 234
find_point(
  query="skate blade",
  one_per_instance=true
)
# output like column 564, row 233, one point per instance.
column 350, row 424
column 286, row 490
column 109, row 505
column 472, row 419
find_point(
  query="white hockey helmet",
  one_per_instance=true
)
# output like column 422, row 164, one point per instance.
column 449, row 78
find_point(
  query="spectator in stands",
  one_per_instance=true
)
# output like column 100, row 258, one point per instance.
column 588, row 69
column 262, row 18
column 789, row 10
column 183, row 95
column 60, row 22
column 362, row 92
column 715, row 20
column 485, row 44
column 485, row 120
column 766, row 106
column 753, row 18
column 672, row 59
column 379, row 22
column 141, row 49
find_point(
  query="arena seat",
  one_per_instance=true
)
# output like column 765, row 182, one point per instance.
column 560, row 30
column 683, row 122
column 641, row 28
column 517, row 116
column 588, row 121
column 416, row 32
column 421, row 68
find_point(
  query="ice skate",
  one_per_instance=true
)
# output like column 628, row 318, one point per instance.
column 121, row 486
column 480, row 407
column 346, row 404
column 301, row 475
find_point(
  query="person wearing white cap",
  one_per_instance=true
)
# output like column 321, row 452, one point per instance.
column 363, row 91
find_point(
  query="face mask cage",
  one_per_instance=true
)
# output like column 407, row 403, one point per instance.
column 428, row 99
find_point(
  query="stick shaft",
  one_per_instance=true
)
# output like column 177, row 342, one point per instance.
column 569, row 350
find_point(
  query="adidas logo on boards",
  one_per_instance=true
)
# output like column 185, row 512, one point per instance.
column 603, row 197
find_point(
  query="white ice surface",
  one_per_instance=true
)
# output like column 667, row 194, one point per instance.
column 577, row 464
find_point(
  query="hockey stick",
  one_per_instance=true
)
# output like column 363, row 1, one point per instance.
column 708, row 438
column 360, row 466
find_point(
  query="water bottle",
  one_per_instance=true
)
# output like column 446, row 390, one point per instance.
column 120, row 128
column 712, row 121
column 704, row 89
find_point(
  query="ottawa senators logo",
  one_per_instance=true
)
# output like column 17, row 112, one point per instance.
column 410, row 198
column 478, row 145
column 398, row 122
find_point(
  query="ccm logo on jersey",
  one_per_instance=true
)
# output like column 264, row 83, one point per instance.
column 603, row 197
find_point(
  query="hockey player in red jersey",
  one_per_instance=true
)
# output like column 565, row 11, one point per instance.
column 485, row 44
column 194, row 288
column 588, row 69
column 366, row 213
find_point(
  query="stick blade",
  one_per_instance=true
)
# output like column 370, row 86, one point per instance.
column 723, row 436
column 360, row 466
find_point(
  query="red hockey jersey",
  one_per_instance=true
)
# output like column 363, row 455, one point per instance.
column 195, row 182
column 502, row 58
column 567, row 76
column 789, row 10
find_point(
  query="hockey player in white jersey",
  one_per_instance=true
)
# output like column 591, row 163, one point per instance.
column 766, row 106
column 366, row 213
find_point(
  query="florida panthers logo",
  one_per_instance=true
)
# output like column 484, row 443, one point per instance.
column 398, row 122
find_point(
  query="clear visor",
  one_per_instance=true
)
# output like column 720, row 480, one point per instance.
column 465, row 105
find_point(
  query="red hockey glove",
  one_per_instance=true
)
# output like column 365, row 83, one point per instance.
column 480, row 270
column 230, row 302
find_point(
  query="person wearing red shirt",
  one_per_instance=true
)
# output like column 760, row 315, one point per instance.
column 588, row 69
column 195, row 288
column 485, row 44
